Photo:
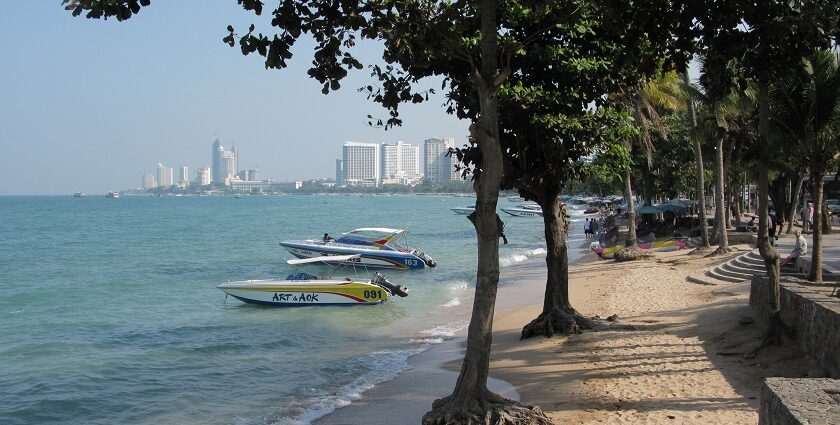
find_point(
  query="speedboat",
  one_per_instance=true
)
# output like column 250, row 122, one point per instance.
column 525, row 210
column 377, row 249
column 79, row 195
column 303, row 289
column 112, row 195
column 464, row 210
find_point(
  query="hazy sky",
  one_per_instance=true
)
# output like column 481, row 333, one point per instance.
column 88, row 105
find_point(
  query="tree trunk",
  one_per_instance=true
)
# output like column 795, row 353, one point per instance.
column 794, row 197
column 720, row 207
column 816, row 272
column 558, row 315
column 471, row 401
column 767, row 251
column 698, row 165
column 631, row 211
column 739, row 207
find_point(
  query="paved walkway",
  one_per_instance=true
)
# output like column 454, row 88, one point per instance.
column 831, row 250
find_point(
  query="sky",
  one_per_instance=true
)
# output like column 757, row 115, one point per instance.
column 89, row 105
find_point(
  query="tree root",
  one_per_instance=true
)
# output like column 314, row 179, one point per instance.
column 563, row 322
column 720, row 251
column 775, row 334
column 484, row 409
column 632, row 253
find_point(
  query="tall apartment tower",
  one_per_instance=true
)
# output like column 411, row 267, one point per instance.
column 361, row 164
column 148, row 181
column 339, row 172
column 202, row 176
column 183, row 176
column 437, row 167
column 400, row 162
column 225, row 162
column 164, row 175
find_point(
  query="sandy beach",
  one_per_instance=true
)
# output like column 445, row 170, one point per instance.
column 675, row 355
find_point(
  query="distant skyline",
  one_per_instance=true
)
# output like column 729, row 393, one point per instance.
column 90, row 105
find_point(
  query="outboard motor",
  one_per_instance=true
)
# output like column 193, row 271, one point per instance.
column 380, row 280
column 427, row 259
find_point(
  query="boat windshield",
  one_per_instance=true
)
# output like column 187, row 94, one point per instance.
column 372, row 237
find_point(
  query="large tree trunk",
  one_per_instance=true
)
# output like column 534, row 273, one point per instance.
column 558, row 315
column 698, row 165
column 767, row 251
column 720, row 207
column 738, row 202
column 471, row 401
column 794, row 201
column 816, row 272
column 631, row 211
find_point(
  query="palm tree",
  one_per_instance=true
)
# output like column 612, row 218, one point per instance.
column 807, row 110
column 644, row 106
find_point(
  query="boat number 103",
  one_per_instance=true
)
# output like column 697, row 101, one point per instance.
column 373, row 294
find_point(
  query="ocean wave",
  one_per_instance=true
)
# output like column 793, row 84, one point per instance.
column 454, row 302
column 520, row 256
column 319, row 403
column 446, row 331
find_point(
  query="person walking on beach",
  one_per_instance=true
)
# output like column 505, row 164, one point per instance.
column 800, row 249
column 593, row 227
column 586, row 228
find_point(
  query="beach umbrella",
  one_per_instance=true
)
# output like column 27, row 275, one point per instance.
column 648, row 209
column 675, row 208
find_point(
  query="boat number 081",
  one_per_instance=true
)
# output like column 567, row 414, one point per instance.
column 373, row 294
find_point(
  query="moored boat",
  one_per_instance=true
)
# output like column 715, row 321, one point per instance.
column 464, row 210
column 303, row 289
column 79, row 195
column 378, row 248
column 661, row 246
column 112, row 195
column 525, row 210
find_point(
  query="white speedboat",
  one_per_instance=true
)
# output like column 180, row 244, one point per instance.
column 112, row 195
column 464, row 210
column 378, row 248
column 524, row 210
column 303, row 289
column 79, row 195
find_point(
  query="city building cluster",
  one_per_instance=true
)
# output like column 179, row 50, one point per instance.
column 224, row 172
column 373, row 164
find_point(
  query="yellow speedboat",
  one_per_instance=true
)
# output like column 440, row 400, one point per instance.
column 302, row 289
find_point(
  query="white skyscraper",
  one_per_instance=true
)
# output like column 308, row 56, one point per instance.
column 400, row 163
column 339, row 172
column 361, row 163
column 149, row 181
column 202, row 176
column 164, row 175
column 437, row 167
column 225, row 162
column 183, row 176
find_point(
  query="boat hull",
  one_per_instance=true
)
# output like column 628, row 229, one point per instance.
column 285, row 293
column 523, row 212
column 661, row 246
column 369, row 258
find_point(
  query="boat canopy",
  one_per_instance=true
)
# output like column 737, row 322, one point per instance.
column 325, row 259
column 371, row 236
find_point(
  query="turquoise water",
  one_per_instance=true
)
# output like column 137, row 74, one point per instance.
column 109, row 311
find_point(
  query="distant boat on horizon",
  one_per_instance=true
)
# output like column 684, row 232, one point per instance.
column 112, row 195
column 79, row 195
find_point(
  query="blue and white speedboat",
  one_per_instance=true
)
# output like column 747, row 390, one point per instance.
column 377, row 248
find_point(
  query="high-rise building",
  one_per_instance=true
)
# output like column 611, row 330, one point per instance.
column 149, row 181
column 164, row 175
column 183, row 176
column 361, row 163
column 225, row 162
column 400, row 163
column 202, row 176
column 437, row 167
column 339, row 172
column 249, row 175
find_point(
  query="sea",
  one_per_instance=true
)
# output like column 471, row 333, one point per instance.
column 109, row 311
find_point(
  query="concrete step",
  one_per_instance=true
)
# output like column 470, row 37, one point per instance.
column 699, row 281
column 737, row 268
column 735, row 275
column 749, row 267
column 715, row 275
